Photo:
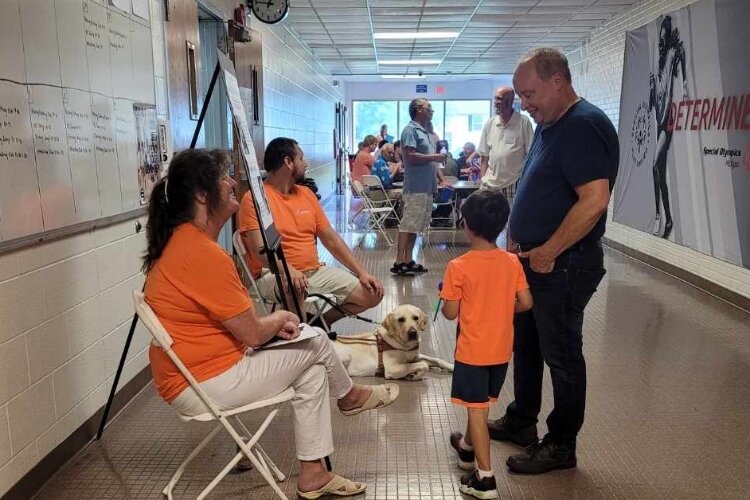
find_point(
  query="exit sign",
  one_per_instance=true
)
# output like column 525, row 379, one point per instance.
column 421, row 88
column 439, row 89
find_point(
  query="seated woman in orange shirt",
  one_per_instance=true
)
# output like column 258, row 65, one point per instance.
column 193, row 287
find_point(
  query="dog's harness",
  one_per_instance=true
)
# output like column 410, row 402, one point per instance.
column 382, row 346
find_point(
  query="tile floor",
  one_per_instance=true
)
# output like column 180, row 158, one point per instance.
column 668, row 406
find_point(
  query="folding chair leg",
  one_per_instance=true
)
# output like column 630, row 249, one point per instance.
column 181, row 469
column 269, row 462
column 377, row 224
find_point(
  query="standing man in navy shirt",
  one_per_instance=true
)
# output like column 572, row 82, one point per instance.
column 558, row 220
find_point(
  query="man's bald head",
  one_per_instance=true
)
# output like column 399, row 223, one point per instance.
column 503, row 101
column 387, row 151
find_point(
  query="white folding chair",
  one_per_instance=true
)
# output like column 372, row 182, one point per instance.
column 250, row 449
column 376, row 216
column 373, row 185
column 361, row 206
column 315, row 305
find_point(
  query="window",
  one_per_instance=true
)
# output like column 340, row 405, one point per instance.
column 368, row 116
column 464, row 121
column 476, row 122
column 457, row 122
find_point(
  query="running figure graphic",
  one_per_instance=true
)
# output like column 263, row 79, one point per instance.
column 671, row 65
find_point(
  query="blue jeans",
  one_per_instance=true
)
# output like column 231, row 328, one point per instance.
column 551, row 333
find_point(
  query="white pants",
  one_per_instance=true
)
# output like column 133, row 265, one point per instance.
column 311, row 367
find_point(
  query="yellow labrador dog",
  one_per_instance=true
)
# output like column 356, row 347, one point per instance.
column 392, row 350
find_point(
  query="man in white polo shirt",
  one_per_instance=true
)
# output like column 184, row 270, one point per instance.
column 506, row 138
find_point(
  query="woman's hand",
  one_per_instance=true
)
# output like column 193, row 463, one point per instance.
column 289, row 325
column 289, row 331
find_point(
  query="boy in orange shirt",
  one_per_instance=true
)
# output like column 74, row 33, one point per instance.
column 483, row 288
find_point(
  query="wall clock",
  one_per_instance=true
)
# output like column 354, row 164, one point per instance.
column 269, row 11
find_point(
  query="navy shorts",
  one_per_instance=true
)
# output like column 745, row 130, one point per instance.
column 477, row 386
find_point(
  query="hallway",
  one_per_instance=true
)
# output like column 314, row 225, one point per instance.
column 668, row 412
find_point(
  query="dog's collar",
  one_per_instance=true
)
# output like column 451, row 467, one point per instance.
column 384, row 346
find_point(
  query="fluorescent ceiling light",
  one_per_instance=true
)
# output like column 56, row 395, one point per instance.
column 410, row 62
column 415, row 35
column 401, row 77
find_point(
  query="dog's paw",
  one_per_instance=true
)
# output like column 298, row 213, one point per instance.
column 415, row 375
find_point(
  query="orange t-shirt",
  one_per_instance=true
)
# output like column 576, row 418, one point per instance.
column 298, row 218
column 485, row 283
column 192, row 288
column 363, row 163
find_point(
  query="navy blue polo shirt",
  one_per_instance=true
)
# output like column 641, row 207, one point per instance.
column 580, row 147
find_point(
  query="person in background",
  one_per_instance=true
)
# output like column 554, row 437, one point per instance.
column 506, row 139
column 398, row 176
column 301, row 222
column 193, row 287
column 450, row 167
column 420, row 185
column 386, row 166
column 437, row 165
column 483, row 288
column 383, row 135
column 558, row 219
column 469, row 162
column 364, row 161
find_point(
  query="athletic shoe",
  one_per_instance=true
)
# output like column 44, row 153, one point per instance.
column 478, row 488
column 465, row 457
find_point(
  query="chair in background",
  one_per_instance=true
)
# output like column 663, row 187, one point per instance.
column 314, row 305
column 226, row 419
column 358, row 211
column 379, row 195
column 376, row 215
column 444, row 209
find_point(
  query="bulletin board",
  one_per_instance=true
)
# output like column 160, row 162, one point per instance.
column 76, row 87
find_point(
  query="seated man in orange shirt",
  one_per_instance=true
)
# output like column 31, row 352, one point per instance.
column 300, row 220
column 364, row 160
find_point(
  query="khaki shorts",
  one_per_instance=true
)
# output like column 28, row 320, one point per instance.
column 508, row 191
column 417, row 212
column 325, row 279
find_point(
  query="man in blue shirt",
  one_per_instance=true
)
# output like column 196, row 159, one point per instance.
column 386, row 166
column 558, row 220
column 420, row 185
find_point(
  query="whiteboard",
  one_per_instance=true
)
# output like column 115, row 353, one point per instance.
column 71, row 72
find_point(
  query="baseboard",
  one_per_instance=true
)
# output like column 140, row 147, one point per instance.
column 36, row 478
column 688, row 277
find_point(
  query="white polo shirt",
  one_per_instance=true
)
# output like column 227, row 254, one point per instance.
column 506, row 145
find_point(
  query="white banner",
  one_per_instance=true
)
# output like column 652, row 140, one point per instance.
column 685, row 129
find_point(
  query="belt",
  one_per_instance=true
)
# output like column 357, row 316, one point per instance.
column 581, row 245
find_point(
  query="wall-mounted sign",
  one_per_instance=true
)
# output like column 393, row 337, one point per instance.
column 439, row 89
column 421, row 88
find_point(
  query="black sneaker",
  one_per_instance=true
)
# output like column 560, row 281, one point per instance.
column 478, row 488
column 465, row 457
column 417, row 268
column 401, row 269
column 503, row 429
column 543, row 457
